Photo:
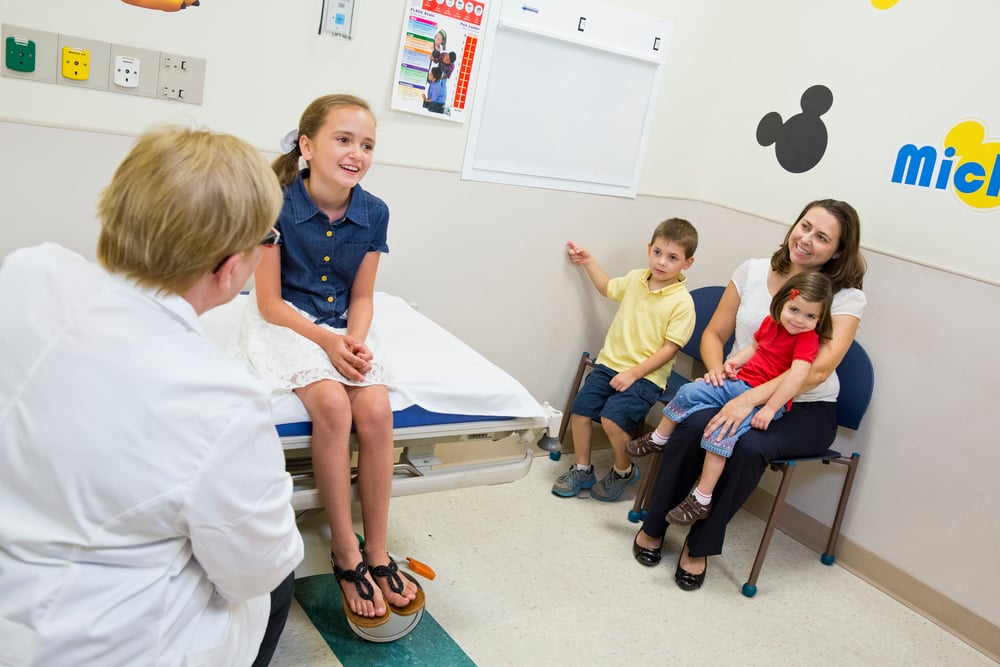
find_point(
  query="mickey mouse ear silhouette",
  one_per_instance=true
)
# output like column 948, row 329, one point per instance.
column 817, row 100
column 768, row 128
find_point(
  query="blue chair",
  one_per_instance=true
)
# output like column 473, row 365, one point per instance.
column 857, row 382
column 706, row 299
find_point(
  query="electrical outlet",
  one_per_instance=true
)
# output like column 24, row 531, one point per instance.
column 17, row 43
column 20, row 54
column 84, row 62
column 181, row 78
column 142, row 72
column 75, row 63
column 126, row 73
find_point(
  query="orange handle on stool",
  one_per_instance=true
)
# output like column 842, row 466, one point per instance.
column 423, row 569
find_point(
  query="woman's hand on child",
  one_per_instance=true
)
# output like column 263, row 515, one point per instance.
column 728, row 418
column 577, row 255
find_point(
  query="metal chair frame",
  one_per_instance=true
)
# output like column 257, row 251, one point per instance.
column 857, row 383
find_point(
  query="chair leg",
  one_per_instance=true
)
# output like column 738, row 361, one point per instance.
column 829, row 556
column 787, row 469
column 585, row 362
column 638, row 511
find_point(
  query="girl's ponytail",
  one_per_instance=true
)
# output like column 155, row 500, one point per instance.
column 286, row 166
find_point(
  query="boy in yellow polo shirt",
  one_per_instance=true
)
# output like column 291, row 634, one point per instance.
column 655, row 319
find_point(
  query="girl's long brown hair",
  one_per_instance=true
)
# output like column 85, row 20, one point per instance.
column 287, row 166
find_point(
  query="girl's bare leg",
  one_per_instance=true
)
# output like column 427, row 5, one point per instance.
column 666, row 426
column 373, row 424
column 330, row 409
column 711, row 471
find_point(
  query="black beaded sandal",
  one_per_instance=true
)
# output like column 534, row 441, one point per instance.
column 365, row 590
column 392, row 576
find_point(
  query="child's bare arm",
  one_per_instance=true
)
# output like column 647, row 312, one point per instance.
column 790, row 385
column 734, row 363
column 627, row 378
column 582, row 257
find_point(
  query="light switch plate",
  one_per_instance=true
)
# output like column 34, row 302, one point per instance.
column 126, row 72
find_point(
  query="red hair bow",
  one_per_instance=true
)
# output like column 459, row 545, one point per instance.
column 792, row 293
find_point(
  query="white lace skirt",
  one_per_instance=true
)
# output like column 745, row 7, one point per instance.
column 286, row 360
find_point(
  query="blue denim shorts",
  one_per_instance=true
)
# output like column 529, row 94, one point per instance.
column 628, row 408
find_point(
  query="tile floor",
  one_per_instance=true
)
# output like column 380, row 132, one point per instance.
column 526, row 578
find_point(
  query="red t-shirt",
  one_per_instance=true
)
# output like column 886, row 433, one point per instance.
column 776, row 350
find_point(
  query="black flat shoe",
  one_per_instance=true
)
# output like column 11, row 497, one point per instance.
column 688, row 581
column 685, row 580
column 647, row 557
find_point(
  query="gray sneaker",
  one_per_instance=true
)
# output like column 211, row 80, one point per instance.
column 611, row 486
column 573, row 481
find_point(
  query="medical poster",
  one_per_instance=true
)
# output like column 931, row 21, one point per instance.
column 436, row 53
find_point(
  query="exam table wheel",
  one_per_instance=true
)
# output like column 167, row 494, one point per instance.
column 635, row 516
column 749, row 591
column 397, row 627
column 549, row 444
column 827, row 559
column 555, row 456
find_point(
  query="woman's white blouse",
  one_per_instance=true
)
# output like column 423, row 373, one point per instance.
column 750, row 280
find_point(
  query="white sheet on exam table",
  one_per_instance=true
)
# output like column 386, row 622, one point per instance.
column 430, row 367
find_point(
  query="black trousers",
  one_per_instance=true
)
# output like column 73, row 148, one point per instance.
column 281, row 602
column 806, row 430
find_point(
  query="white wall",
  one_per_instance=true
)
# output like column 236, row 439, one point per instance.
column 898, row 76
column 488, row 262
column 904, row 75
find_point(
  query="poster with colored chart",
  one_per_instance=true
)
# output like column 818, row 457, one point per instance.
column 436, row 53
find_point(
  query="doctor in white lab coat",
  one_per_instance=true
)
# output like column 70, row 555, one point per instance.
column 146, row 516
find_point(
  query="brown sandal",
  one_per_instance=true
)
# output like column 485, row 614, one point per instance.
column 365, row 591
column 643, row 445
column 391, row 574
column 688, row 511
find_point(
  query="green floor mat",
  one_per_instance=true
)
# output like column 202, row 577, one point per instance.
column 428, row 644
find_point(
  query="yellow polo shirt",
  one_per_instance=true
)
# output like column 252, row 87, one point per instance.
column 645, row 321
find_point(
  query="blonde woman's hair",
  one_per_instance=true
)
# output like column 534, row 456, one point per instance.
column 287, row 166
column 180, row 202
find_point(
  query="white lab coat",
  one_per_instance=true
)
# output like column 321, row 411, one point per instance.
column 145, row 506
